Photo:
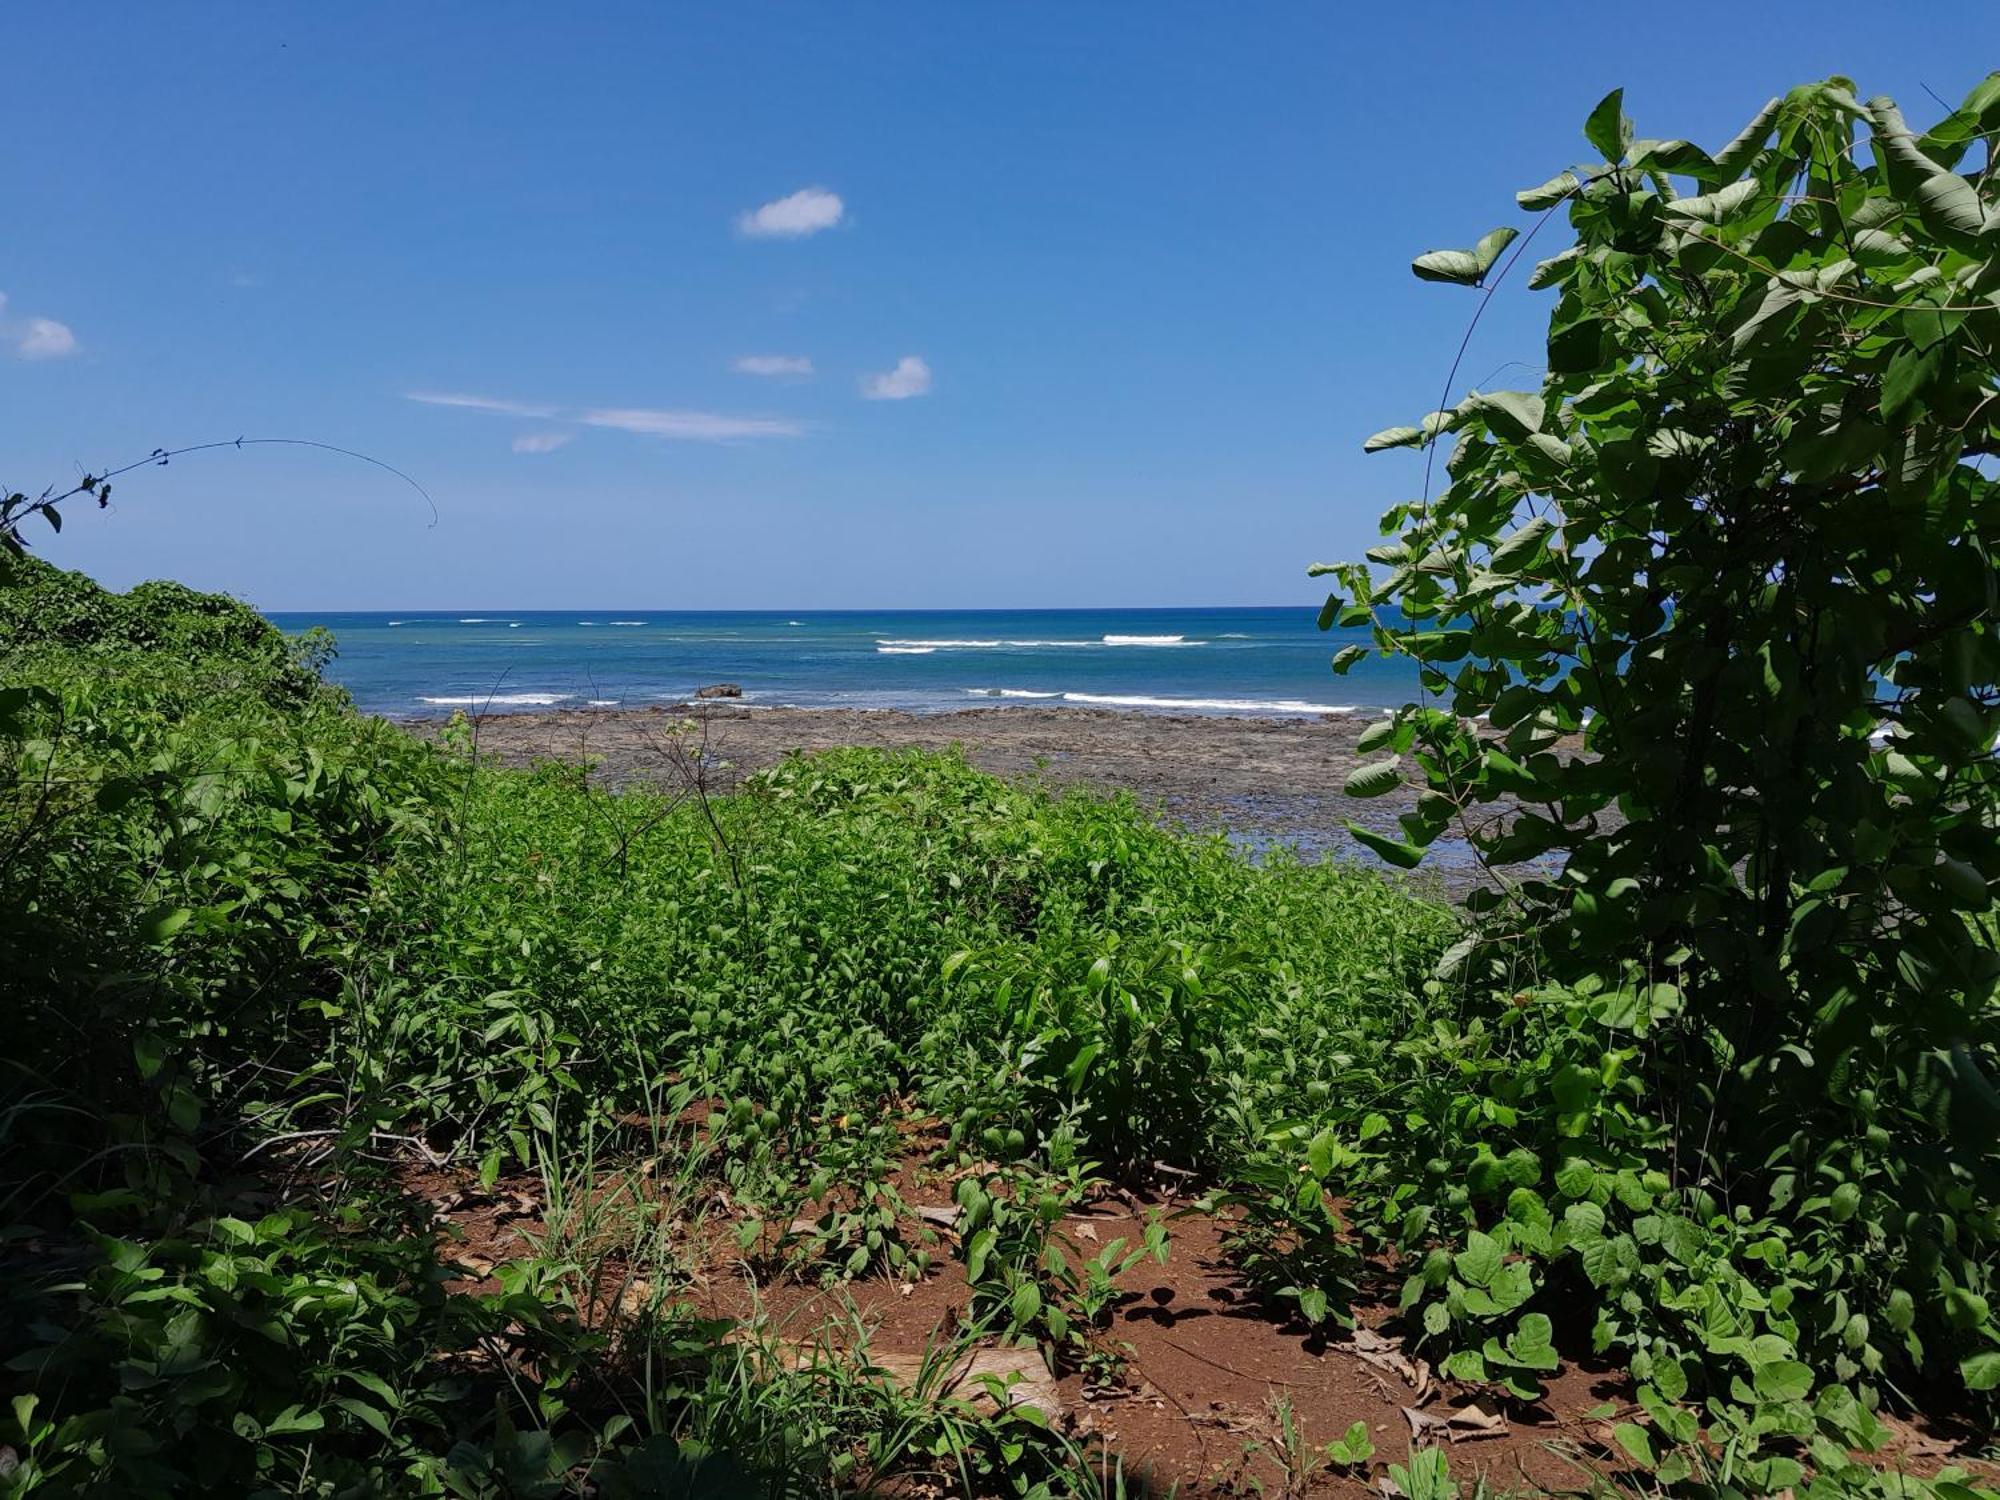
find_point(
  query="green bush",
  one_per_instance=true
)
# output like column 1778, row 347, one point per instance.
column 46, row 607
column 254, row 944
column 1711, row 615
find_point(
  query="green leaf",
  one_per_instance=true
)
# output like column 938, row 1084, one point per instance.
column 1453, row 959
column 1352, row 1447
column 366, row 1413
column 1574, row 1179
column 1981, row 1372
column 1951, row 210
column 1512, row 414
column 1428, row 1474
column 292, row 1419
column 1027, row 1302
column 1549, row 194
column 1375, row 778
column 1977, row 116
column 1521, row 546
column 1394, row 437
column 1607, row 128
column 1320, row 1153
column 1079, row 1067
column 1948, row 205
column 1393, row 851
column 149, row 1051
column 1671, row 157
column 1346, row 657
column 1637, row 1444
column 1575, row 348
column 1465, row 267
column 1533, row 1342
column 1743, row 148
column 1718, row 206
column 162, row 922
column 1784, row 1380
column 1555, row 269
column 1376, row 735
column 1911, row 373
column 1480, row 1261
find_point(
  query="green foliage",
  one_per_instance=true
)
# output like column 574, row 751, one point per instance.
column 257, row 946
column 1426, row 1477
column 1352, row 1449
column 1709, row 621
column 47, row 607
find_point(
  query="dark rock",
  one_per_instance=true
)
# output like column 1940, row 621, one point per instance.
column 720, row 690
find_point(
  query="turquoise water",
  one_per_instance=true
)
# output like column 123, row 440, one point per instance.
column 1201, row 661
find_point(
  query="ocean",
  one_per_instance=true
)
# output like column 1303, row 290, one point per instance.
column 1192, row 661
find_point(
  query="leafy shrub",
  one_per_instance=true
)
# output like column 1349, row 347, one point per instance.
column 247, row 935
column 1710, row 618
column 45, row 606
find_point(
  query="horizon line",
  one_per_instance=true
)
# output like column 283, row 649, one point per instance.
column 908, row 609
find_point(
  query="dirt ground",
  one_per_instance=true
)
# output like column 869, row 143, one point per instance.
column 1207, row 1374
column 1265, row 782
column 1205, row 1370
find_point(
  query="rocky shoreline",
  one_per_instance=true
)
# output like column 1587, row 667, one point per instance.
column 1266, row 782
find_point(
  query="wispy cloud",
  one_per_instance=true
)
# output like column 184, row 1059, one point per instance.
column 36, row 338
column 794, row 216
column 541, row 442
column 683, row 426
column 691, row 426
column 911, row 377
column 483, row 403
column 796, row 365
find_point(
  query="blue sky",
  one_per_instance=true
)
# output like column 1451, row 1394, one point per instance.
column 1098, row 300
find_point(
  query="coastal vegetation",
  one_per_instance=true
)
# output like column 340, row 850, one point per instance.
column 1696, row 1093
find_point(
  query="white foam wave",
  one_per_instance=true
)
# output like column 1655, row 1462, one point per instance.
column 509, row 700
column 892, row 644
column 394, row 623
column 1231, row 705
column 624, row 622
column 1107, row 640
column 904, row 650
column 603, row 702
column 485, row 620
column 1192, row 705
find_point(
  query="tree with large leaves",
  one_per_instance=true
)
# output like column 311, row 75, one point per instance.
column 1705, row 628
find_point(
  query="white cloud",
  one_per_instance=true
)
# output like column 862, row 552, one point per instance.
column 690, row 426
column 37, row 338
column 482, row 403
column 805, row 212
column 773, row 364
column 687, row 426
column 541, row 442
column 45, row 338
column 911, row 377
